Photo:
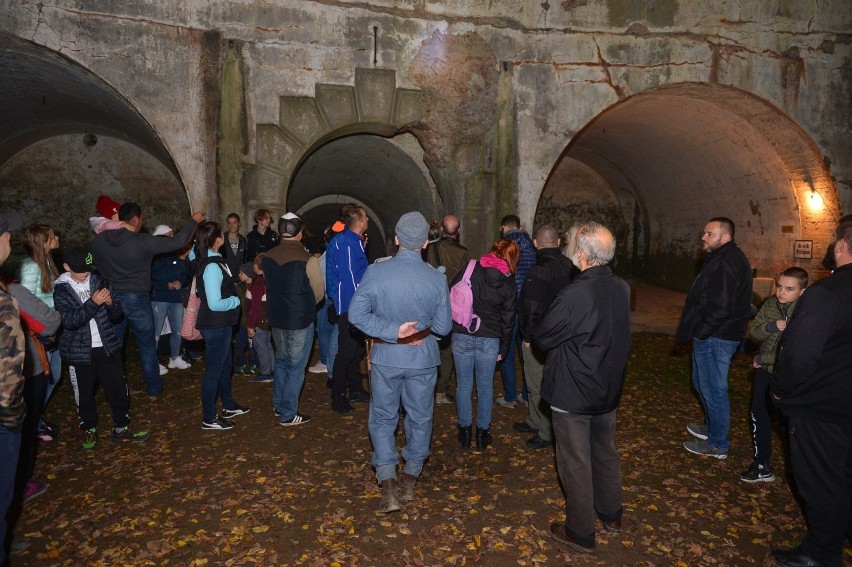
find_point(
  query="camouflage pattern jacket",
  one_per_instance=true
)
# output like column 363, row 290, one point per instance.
column 12, row 353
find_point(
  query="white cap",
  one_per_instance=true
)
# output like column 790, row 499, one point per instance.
column 162, row 229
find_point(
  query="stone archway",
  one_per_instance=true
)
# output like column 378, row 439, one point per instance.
column 677, row 155
column 373, row 105
column 66, row 136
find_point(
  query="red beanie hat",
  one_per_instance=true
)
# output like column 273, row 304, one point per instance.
column 106, row 207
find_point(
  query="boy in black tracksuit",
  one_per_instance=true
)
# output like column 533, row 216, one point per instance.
column 91, row 347
column 766, row 327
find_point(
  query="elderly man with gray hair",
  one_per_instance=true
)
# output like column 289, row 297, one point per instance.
column 402, row 303
column 586, row 332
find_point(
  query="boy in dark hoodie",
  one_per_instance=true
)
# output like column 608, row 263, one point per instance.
column 90, row 345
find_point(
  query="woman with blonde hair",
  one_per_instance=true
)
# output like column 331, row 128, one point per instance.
column 478, row 348
column 37, row 274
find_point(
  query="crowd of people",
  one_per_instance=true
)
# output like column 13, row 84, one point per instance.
column 420, row 317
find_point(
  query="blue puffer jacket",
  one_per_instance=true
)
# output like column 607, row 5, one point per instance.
column 527, row 258
column 75, row 339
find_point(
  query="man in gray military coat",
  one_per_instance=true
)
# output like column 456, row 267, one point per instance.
column 402, row 303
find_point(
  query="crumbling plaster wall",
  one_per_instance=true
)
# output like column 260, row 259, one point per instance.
column 568, row 61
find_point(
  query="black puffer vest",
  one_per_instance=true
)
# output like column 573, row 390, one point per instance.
column 208, row 319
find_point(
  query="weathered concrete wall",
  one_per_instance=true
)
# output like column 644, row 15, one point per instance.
column 58, row 181
column 563, row 63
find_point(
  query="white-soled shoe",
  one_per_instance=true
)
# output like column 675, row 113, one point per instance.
column 163, row 370
column 179, row 363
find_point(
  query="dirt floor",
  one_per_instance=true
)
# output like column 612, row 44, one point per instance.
column 269, row 495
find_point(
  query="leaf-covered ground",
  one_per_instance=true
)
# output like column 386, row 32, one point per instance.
column 271, row 495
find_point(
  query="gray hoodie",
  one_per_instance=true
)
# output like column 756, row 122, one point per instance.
column 124, row 256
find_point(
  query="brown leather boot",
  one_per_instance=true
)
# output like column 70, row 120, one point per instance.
column 390, row 502
column 406, row 487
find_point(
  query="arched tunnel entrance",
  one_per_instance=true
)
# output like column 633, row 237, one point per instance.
column 377, row 173
column 658, row 165
column 66, row 136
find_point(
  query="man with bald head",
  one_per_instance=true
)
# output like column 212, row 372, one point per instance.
column 551, row 272
column 715, row 318
column 454, row 257
column 586, row 331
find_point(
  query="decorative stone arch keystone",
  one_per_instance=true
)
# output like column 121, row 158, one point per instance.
column 374, row 105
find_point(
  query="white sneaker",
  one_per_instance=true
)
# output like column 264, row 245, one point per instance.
column 179, row 363
column 163, row 370
column 318, row 368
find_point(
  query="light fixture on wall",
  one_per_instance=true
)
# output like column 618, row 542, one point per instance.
column 815, row 202
column 814, row 199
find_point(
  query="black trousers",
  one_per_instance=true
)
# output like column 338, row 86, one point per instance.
column 346, row 373
column 109, row 370
column 590, row 470
column 761, row 418
column 35, row 388
column 821, row 454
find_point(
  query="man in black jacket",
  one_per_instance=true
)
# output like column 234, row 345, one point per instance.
column 586, row 330
column 124, row 256
column 551, row 272
column 715, row 318
column 812, row 385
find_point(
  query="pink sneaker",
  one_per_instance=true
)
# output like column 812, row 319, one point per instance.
column 34, row 488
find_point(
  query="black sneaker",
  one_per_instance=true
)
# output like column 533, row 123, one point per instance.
column 524, row 427
column 217, row 423
column 359, row 397
column 538, row 443
column 237, row 410
column 298, row 419
column 341, row 406
column 757, row 473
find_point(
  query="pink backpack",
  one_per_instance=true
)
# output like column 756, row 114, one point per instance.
column 461, row 301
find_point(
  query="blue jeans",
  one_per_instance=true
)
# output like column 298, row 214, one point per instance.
column 507, row 368
column 475, row 356
column 174, row 313
column 140, row 316
column 415, row 387
column 265, row 353
column 710, row 361
column 324, row 328
column 292, row 349
column 217, row 372
column 10, row 449
column 332, row 349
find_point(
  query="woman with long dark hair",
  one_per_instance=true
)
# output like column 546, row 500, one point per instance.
column 478, row 348
column 219, row 311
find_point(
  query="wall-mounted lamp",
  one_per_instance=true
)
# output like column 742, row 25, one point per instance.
column 815, row 202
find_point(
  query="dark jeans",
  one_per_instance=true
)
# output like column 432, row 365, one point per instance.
column 109, row 370
column 324, row 328
column 761, row 418
column 821, row 455
column 347, row 363
column 241, row 343
column 507, row 367
column 445, row 348
column 590, row 470
column 217, row 372
column 10, row 449
column 34, row 389
column 139, row 314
